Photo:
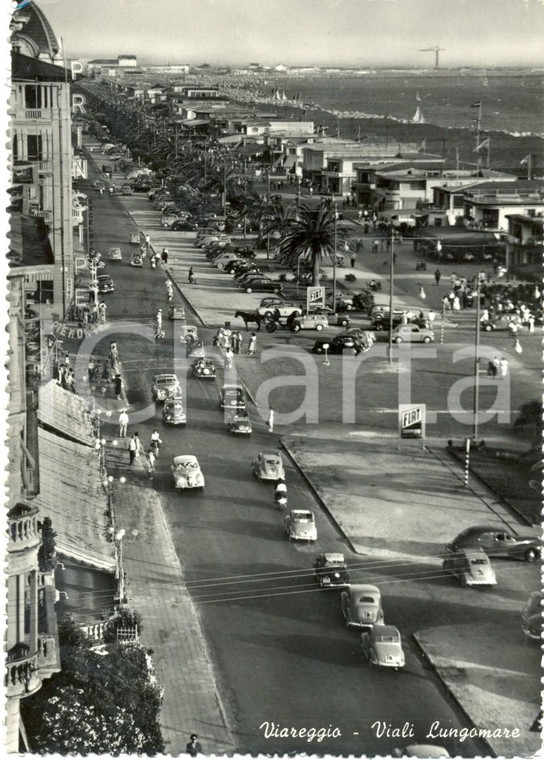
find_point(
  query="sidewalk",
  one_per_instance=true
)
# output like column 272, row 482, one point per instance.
column 171, row 628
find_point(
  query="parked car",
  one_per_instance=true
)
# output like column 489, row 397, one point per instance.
column 168, row 219
column 223, row 259
column 261, row 284
column 309, row 322
column 165, row 386
column 249, row 274
column 361, row 606
column 195, row 348
column 497, row 542
column 173, row 412
column 232, row 396
column 531, row 616
column 236, row 265
column 105, row 284
column 343, row 302
column 203, row 369
column 330, row 570
column 187, row 473
column 471, row 566
column 239, row 423
column 204, row 231
column 300, row 525
column 176, row 311
column 126, row 190
column 412, row 333
column 207, row 239
column 268, row 465
column 337, row 345
column 382, row 645
column 270, row 306
column 115, row 254
column 182, row 225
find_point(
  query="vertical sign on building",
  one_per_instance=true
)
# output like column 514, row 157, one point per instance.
column 315, row 297
column 412, row 420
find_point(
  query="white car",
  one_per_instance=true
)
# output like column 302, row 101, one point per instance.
column 207, row 239
column 115, row 254
column 187, row 473
column 269, row 306
column 223, row 259
column 300, row 525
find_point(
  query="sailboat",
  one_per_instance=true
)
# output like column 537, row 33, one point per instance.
column 284, row 96
column 418, row 117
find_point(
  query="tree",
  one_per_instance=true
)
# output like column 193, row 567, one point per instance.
column 309, row 237
column 101, row 702
column 261, row 212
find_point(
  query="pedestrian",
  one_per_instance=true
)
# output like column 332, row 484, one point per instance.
column 123, row 423
column 132, row 449
column 91, row 370
column 491, row 369
column 228, row 358
column 517, row 346
column 240, row 338
column 375, row 246
column 270, row 421
column 155, row 442
column 158, row 320
column 117, row 385
column 422, row 293
column 496, row 364
column 456, row 304
column 437, row 276
column 359, row 215
column 236, row 342
column 151, row 459
column 193, row 747
column 191, row 277
column 114, row 353
column 431, row 316
column 353, row 259
column 359, row 245
column 252, row 345
column 453, row 279
column 531, row 323
column 513, row 328
column 101, row 191
column 164, row 255
column 102, row 312
column 503, row 367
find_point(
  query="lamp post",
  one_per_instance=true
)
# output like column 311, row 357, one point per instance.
column 475, row 403
column 391, row 276
column 334, row 259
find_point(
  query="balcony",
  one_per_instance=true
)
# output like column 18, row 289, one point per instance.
column 44, row 167
column 22, row 675
column 47, row 216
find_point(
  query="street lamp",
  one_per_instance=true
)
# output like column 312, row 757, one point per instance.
column 391, row 276
column 334, row 259
column 475, row 403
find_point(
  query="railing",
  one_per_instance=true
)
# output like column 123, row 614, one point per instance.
column 41, row 214
column 44, row 166
column 94, row 630
column 33, row 113
column 22, row 676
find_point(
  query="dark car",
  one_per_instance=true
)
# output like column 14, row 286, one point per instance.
column 262, row 285
column 496, row 542
column 182, row 225
column 105, row 284
column 232, row 396
column 233, row 266
column 330, row 570
column 337, row 345
column 245, row 274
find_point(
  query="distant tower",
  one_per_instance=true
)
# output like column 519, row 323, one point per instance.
column 436, row 50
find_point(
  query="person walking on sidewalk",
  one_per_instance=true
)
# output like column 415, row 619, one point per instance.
column 164, row 255
column 132, row 449
column 270, row 420
column 117, row 386
column 437, row 276
column 236, row 342
column 151, row 459
column 252, row 345
column 123, row 423
column 91, row 370
column 193, row 747
column 353, row 259
column 191, row 277
column 229, row 356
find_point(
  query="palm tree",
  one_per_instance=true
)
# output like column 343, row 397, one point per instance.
column 262, row 212
column 311, row 235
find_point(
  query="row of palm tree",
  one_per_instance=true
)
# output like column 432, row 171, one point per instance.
column 303, row 237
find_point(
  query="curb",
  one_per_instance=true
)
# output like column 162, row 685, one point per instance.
column 317, row 495
column 444, row 683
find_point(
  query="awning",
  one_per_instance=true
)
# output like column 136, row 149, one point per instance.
column 290, row 161
column 251, row 150
column 65, row 412
column 89, row 592
column 72, row 495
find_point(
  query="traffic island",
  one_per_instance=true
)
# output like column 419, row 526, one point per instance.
column 483, row 682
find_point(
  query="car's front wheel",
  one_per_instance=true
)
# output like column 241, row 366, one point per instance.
column 531, row 555
column 295, row 328
column 426, row 339
column 276, row 290
column 397, row 340
column 319, row 327
column 248, row 290
column 488, row 328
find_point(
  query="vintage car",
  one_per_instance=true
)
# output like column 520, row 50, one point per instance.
column 195, row 348
column 203, row 369
column 361, row 606
column 268, row 465
column 412, row 333
column 531, row 616
column 134, row 238
column 421, row 751
column 136, row 259
column 176, row 312
column 126, row 189
column 188, row 333
column 382, row 646
column 165, row 386
column 223, row 259
column 309, row 322
column 187, row 473
column 105, row 283
column 260, row 284
column 173, row 412
column 330, row 570
column 343, row 302
column 300, row 525
column 471, row 566
column 232, row 396
column 238, row 423
column 115, row 254
column 497, row 542
column 182, row 225
column 218, row 237
column 338, row 345
column 270, row 306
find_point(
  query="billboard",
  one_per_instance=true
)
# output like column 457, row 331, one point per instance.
column 412, row 420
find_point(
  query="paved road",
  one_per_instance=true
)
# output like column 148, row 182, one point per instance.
column 282, row 652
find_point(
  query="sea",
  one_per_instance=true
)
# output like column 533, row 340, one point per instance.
column 383, row 105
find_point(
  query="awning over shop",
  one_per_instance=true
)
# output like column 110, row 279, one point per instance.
column 251, row 150
column 66, row 413
column 72, row 495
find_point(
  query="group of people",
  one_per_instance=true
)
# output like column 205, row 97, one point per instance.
column 231, row 341
column 498, row 367
column 65, row 376
column 135, row 446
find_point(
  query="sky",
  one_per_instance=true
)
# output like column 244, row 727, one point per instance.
column 481, row 33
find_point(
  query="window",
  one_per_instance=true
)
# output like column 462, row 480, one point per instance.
column 33, row 96
column 15, row 147
column 34, row 147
